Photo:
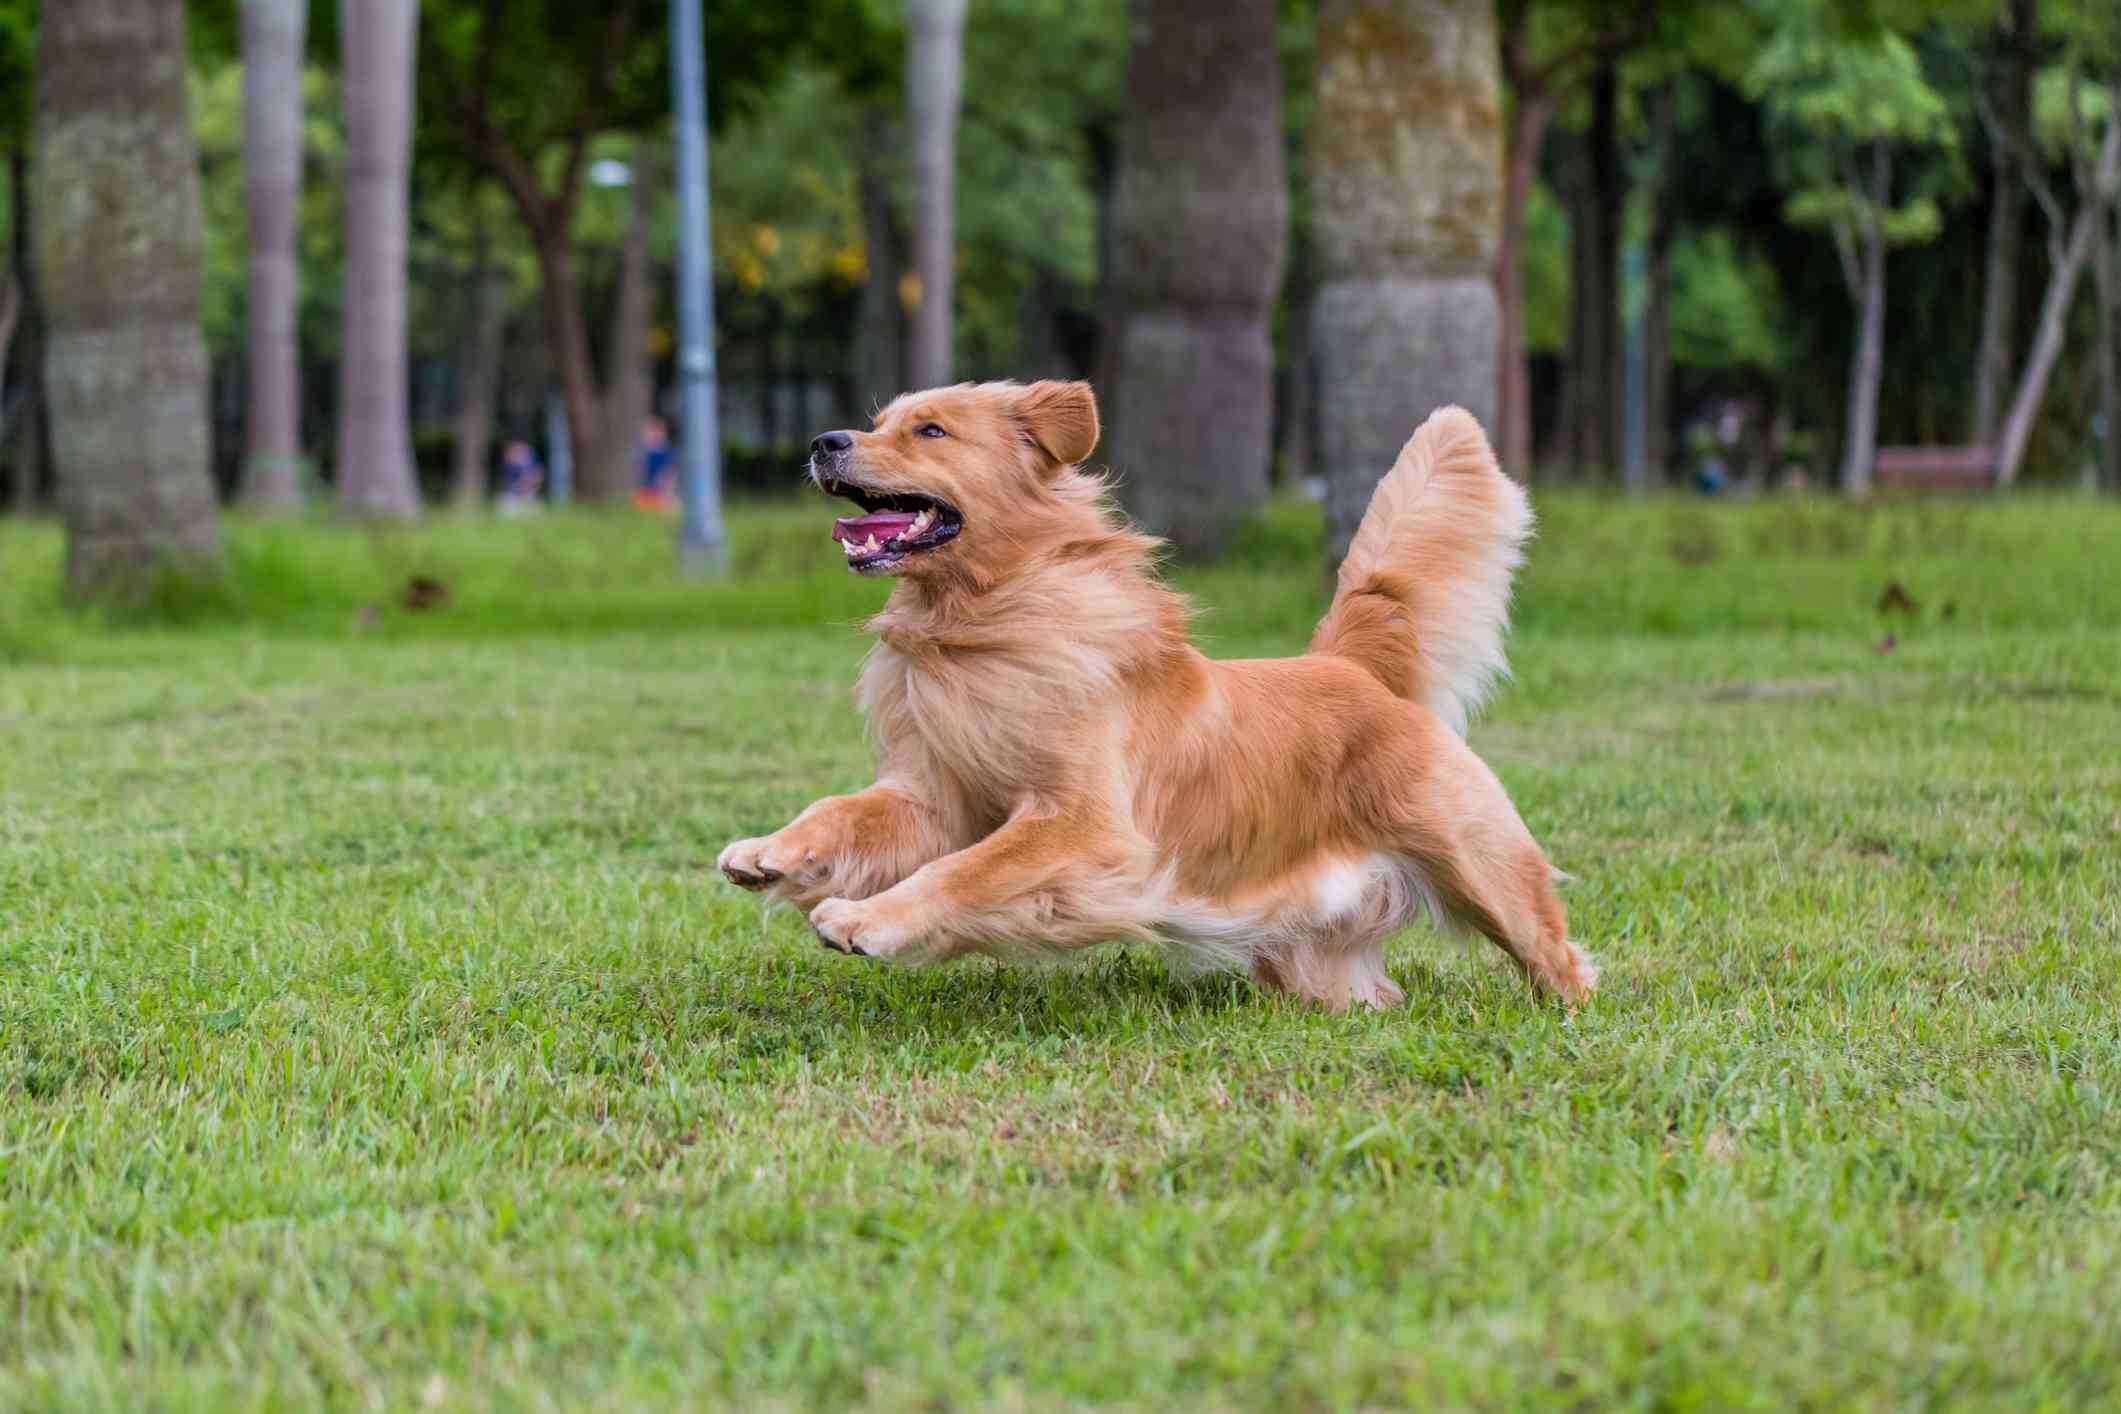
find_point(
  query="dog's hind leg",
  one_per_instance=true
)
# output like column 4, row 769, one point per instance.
column 1509, row 898
column 1487, row 874
column 1330, row 969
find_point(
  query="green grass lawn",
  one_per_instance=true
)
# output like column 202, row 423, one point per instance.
column 374, row 1032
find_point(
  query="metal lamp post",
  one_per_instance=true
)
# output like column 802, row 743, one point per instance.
column 702, row 548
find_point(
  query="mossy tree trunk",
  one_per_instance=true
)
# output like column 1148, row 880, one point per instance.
column 118, row 252
column 1200, row 216
column 1407, row 173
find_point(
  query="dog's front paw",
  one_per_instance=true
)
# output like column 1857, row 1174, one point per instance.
column 863, row 929
column 744, row 864
column 785, row 865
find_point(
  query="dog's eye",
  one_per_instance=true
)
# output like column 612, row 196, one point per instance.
column 930, row 429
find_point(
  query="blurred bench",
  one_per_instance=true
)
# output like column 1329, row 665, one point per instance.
column 1934, row 468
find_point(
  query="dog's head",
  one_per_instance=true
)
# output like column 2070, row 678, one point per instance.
column 957, row 482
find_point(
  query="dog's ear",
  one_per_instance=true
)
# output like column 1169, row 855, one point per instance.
column 1061, row 418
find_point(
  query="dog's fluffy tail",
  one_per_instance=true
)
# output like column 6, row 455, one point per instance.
column 1424, row 593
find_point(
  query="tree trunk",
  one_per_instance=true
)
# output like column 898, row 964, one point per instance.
column 1199, row 236
column 935, row 59
column 481, row 380
column 272, row 191
column 2017, row 426
column 880, row 317
column 375, row 468
column 1657, row 301
column 119, row 245
column 1406, row 160
column 1575, row 364
column 28, row 426
column 1528, row 121
column 2006, row 222
column 566, row 331
column 630, row 379
column 1595, row 354
column 1866, row 370
column 2104, row 273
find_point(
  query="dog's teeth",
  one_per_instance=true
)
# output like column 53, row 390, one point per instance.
column 849, row 547
column 869, row 546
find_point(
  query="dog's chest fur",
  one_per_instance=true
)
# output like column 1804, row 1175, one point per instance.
column 987, row 727
column 1008, row 703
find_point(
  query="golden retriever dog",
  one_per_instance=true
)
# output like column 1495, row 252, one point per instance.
column 1058, row 766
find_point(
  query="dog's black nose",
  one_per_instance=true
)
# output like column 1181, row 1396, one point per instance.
column 826, row 443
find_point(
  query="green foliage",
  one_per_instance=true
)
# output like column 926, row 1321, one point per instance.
column 1724, row 304
column 1839, row 108
column 1545, row 256
column 2069, row 111
column 18, row 43
column 786, row 215
column 373, row 1034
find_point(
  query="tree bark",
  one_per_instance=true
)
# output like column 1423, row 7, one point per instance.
column 1527, row 129
column 2109, row 301
column 1867, row 368
column 2012, row 101
column 28, row 427
column 375, row 468
column 935, row 59
column 629, row 390
column 2016, row 429
column 880, row 317
column 481, row 381
column 1657, row 302
column 119, row 246
column 272, row 191
column 566, row 331
column 1199, row 234
column 1407, row 170
column 1596, row 355
column 10, row 321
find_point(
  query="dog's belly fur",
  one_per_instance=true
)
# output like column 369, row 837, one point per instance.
column 1319, row 934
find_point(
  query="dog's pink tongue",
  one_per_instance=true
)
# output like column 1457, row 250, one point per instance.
column 884, row 525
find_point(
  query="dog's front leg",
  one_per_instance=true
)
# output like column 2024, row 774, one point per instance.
column 844, row 846
column 1059, row 878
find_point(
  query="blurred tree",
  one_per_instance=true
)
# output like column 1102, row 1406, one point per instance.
column 23, row 418
column 2080, row 122
column 630, row 388
column 525, row 87
column 479, row 366
column 119, row 253
column 272, row 175
column 1845, row 105
column 1406, row 150
column 2006, row 110
column 935, row 31
column 1199, row 234
column 374, row 464
column 1550, row 51
column 880, row 324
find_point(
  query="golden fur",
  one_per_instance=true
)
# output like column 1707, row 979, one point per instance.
column 1057, row 766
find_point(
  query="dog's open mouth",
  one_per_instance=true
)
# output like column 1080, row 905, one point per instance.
column 893, row 526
